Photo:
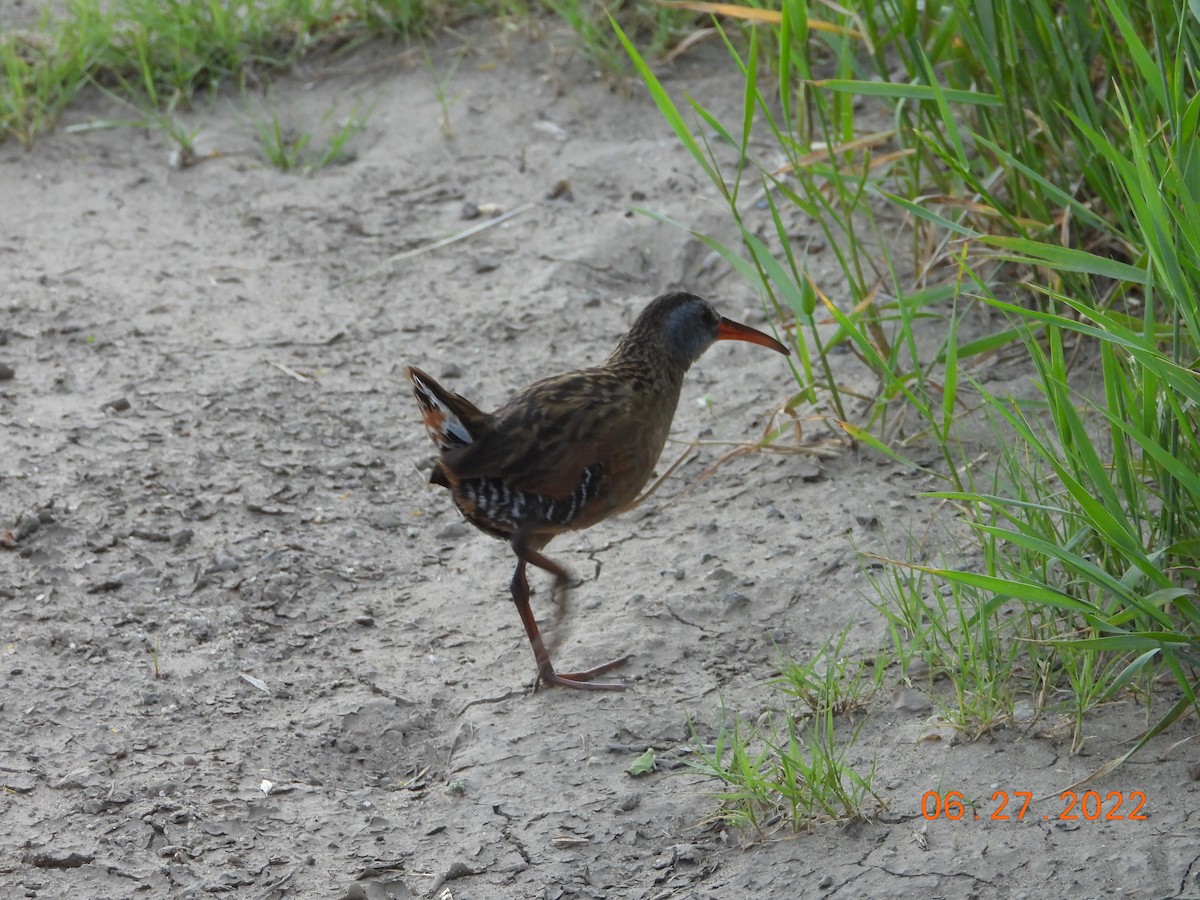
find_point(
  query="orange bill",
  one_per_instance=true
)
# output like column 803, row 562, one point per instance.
column 729, row 330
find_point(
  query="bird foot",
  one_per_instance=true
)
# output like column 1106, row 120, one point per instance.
column 581, row 681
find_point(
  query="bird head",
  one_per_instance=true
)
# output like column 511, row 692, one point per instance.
column 682, row 326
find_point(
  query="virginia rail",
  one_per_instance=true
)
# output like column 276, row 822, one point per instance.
column 572, row 450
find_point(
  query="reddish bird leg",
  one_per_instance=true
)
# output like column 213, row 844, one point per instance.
column 520, row 594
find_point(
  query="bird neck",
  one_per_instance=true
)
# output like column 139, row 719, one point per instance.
column 648, row 364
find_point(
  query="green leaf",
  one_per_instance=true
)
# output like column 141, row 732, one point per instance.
column 928, row 215
column 1067, row 259
column 1005, row 587
column 907, row 91
column 643, row 765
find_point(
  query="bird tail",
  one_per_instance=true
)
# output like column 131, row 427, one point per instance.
column 451, row 420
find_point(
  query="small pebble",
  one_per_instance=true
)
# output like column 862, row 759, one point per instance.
column 689, row 853
column 809, row 473
column 280, row 586
column 736, row 600
column 1024, row 712
column 222, row 563
column 27, row 524
column 629, row 803
column 938, row 729
column 561, row 191
column 7, row 372
column 458, row 870
column 908, row 699
column 917, row 668
column 470, row 210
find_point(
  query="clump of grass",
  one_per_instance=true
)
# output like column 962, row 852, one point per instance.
column 292, row 150
column 977, row 657
column 164, row 121
column 440, row 83
column 281, row 147
column 801, row 778
column 832, row 681
column 794, row 769
column 45, row 68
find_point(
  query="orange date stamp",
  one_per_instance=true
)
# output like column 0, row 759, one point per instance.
column 1006, row 806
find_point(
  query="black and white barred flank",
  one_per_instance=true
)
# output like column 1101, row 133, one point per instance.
column 494, row 500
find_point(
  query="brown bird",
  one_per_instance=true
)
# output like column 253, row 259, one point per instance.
column 572, row 450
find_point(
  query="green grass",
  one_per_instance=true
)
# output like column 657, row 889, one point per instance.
column 169, row 52
column 1042, row 159
column 46, row 68
column 796, row 774
column 158, row 54
column 657, row 26
column 292, row 149
column 794, row 768
column 441, row 82
column 831, row 681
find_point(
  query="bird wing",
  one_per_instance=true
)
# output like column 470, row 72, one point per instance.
column 544, row 439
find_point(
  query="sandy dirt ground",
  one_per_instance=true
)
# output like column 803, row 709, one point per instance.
column 223, row 566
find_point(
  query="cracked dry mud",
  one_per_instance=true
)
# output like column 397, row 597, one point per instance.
column 224, row 567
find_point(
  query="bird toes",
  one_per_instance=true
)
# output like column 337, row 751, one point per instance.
column 582, row 681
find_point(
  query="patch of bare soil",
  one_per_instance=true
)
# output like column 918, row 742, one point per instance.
column 225, row 568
